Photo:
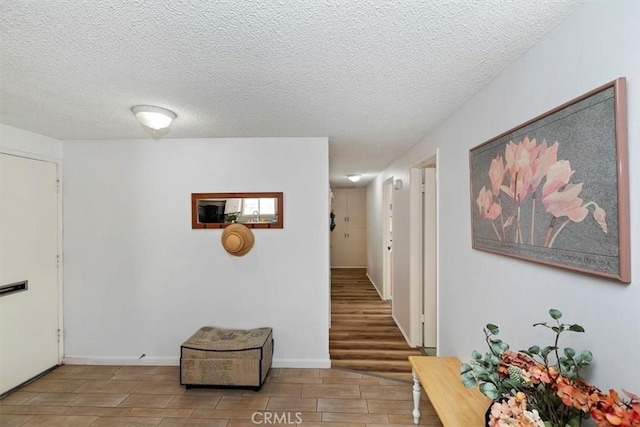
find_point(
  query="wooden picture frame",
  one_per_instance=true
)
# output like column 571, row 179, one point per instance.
column 555, row 190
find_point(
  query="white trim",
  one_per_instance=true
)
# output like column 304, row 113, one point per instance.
column 415, row 255
column 374, row 286
column 329, row 258
column 175, row 361
column 349, row 266
column 28, row 155
column 301, row 363
column 404, row 334
column 429, row 259
column 125, row 361
column 437, row 252
column 60, row 261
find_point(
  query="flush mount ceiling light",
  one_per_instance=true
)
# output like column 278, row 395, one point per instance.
column 153, row 117
column 354, row 177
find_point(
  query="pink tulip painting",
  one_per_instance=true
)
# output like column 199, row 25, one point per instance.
column 555, row 189
column 526, row 167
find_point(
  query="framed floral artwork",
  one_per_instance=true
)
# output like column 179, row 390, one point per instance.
column 555, row 190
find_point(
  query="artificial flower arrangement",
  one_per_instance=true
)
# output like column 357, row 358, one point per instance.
column 543, row 387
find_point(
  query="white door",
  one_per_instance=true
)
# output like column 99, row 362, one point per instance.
column 337, row 239
column 429, row 263
column 339, row 247
column 357, row 209
column 339, row 206
column 357, row 247
column 29, row 319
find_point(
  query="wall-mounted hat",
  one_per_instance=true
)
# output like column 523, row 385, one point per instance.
column 237, row 239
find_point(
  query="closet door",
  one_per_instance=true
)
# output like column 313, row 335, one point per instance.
column 339, row 248
column 357, row 209
column 29, row 318
column 357, row 247
column 349, row 238
column 339, row 206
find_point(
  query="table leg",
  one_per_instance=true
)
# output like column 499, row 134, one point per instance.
column 416, row 398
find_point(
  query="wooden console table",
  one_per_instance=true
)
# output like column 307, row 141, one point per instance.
column 456, row 405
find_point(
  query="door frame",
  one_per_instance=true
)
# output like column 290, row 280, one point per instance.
column 387, row 261
column 416, row 252
column 58, row 163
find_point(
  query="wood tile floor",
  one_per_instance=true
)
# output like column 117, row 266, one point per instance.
column 74, row 395
column 363, row 335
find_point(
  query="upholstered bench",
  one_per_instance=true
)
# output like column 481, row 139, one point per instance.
column 226, row 358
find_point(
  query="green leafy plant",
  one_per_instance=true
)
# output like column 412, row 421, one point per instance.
column 543, row 386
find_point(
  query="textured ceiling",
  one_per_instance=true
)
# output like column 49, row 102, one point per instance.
column 372, row 75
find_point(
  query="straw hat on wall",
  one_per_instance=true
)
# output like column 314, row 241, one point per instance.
column 237, row 239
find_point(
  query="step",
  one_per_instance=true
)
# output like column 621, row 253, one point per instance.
column 379, row 316
column 372, row 354
column 358, row 311
column 393, row 329
column 363, row 335
column 360, row 302
column 359, row 344
column 373, row 365
column 364, row 323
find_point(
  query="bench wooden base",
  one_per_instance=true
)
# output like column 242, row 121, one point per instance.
column 455, row 404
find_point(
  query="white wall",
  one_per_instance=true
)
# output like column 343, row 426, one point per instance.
column 597, row 44
column 18, row 141
column 139, row 280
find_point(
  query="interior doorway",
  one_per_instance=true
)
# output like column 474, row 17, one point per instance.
column 424, row 253
column 29, row 271
column 387, row 240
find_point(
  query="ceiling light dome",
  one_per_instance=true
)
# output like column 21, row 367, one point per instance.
column 354, row 177
column 153, row 117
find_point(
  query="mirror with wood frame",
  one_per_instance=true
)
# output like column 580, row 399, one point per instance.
column 255, row 210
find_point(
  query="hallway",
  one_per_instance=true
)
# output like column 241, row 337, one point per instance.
column 363, row 335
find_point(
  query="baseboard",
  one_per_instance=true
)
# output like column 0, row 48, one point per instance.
column 301, row 363
column 404, row 334
column 174, row 361
column 91, row 360
column 375, row 287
